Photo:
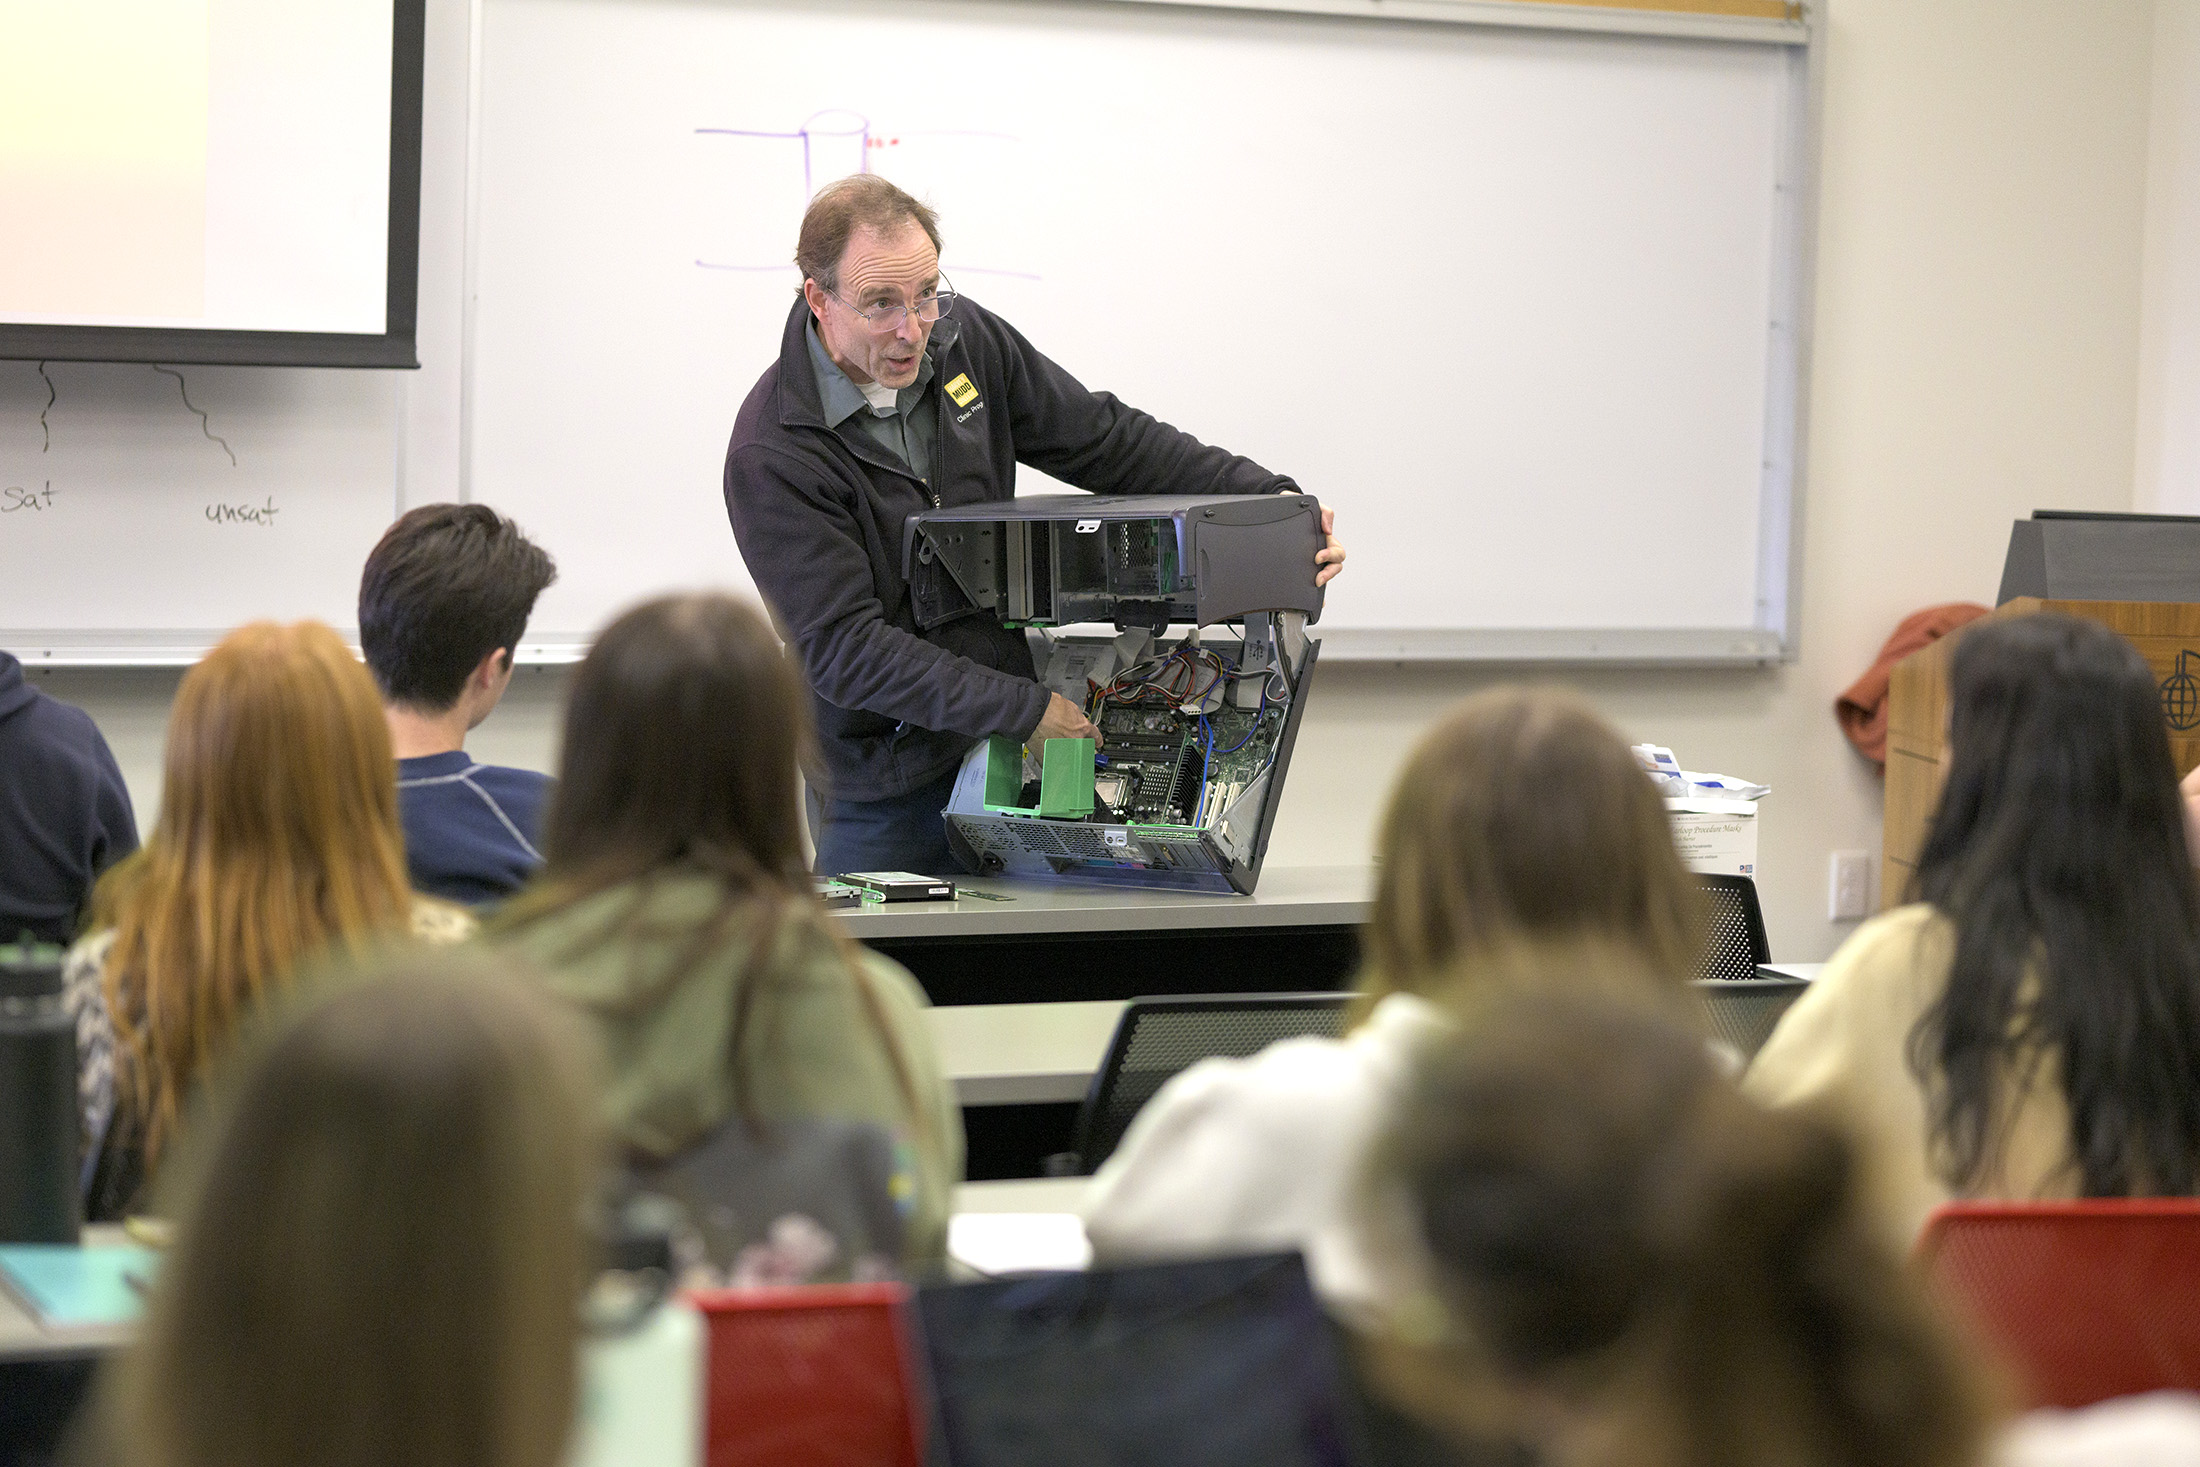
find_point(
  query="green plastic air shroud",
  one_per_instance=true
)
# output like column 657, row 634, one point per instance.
column 1004, row 776
column 1065, row 778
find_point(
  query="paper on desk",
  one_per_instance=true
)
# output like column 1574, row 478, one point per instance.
column 1676, row 783
column 1724, row 787
column 78, row 1287
column 1019, row 1242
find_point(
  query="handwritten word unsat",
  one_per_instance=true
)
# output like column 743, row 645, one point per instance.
column 15, row 498
column 243, row 514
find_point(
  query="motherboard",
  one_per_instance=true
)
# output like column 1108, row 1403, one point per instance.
column 1166, row 757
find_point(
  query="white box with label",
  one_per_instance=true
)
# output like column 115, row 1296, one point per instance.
column 1718, row 837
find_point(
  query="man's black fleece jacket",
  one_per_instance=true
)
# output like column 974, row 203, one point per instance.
column 819, row 521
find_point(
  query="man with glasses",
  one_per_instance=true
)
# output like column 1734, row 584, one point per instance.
column 890, row 395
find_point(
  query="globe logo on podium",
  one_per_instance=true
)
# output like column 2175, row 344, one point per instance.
column 2181, row 693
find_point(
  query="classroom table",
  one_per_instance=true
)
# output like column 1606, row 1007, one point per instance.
column 1042, row 1053
column 23, row 1338
column 1006, row 941
column 1027, row 977
column 1023, row 1053
column 1019, row 1071
column 1025, row 1195
column 1018, row 1226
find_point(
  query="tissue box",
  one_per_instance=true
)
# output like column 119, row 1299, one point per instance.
column 1718, row 837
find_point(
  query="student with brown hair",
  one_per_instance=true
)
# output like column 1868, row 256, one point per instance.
column 1522, row 817
column 277, row 840
column 768, row 1074
column 1627, row 1262
column 380, row 1257
column 2028, row 1024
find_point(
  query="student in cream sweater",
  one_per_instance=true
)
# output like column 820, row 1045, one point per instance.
column 1521, row 819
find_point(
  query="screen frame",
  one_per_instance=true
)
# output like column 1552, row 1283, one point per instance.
column 393, row 347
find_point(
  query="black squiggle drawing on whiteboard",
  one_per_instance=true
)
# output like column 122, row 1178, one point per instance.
column 52, row 397
column 206, row 424
column 839, row 123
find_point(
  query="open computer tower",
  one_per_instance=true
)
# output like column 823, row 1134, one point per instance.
column 1196, row 725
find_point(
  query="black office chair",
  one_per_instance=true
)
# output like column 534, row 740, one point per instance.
column 1742, row 1006
column 1744, row 1010
column 1736, row 941
column 1160, row 1037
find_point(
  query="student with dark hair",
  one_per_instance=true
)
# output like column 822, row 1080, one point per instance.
column 771, row 1078
column 443, row 602
column 2029, row 1025
column 1623, row 1261
column 64, row 812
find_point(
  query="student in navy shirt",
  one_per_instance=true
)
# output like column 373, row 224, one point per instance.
column 444, row 600
column 64, row 812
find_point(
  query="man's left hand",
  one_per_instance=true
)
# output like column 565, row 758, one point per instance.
column 1331, row 557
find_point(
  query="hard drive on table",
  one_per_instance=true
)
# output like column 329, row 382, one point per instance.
column 902, row 886
column 1196, row 729
column 834, row 895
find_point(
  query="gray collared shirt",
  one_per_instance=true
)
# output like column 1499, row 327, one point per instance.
column 906, row 434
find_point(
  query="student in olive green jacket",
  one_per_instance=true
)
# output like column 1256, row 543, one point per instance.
column 770, row 1077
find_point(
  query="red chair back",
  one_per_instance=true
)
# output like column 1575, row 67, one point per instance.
column 808, row 1377
column 2087, row 1300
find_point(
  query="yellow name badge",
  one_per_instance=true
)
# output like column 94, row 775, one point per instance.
column 961, row 390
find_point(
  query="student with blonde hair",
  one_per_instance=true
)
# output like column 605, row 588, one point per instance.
column 278, row 839
column 1521, row 819
column 379, row 1258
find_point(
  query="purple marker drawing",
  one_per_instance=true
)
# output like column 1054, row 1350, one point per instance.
column 814, row 134
column 828, row 138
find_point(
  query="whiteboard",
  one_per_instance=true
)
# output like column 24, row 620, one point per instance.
column 1525, row 304
column 145, row 512
column 1520, row 304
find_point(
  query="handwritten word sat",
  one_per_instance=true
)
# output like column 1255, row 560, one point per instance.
column 16, row 498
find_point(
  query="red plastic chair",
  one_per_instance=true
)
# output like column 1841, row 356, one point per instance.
column 808, row 1377
column 2087, row 1300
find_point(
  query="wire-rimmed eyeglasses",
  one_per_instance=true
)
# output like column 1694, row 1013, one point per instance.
column 883, row 319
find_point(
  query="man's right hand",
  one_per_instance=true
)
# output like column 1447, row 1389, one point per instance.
column 1064, row 720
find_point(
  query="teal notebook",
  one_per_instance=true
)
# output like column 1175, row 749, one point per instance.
column 77, row 1287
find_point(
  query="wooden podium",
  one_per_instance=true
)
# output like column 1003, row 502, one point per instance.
column 2167, row 634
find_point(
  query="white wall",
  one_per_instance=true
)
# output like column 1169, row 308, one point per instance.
column 1977, row 356
column 2168, row 467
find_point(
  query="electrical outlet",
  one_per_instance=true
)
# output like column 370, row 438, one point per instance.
column 1849, row 886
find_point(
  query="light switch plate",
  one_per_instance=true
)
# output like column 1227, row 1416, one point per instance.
column 1849, row 886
